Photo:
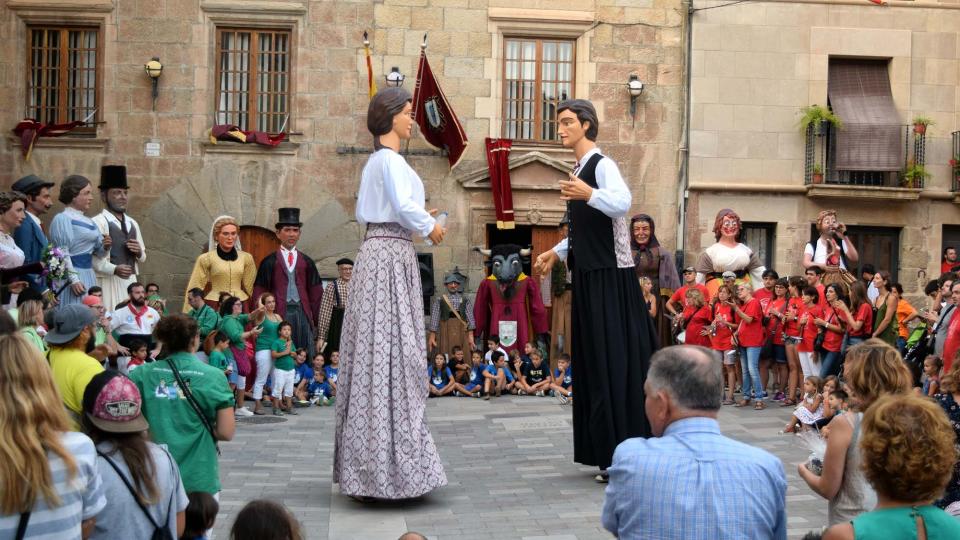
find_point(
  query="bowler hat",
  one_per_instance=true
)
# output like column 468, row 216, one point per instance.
column 113, row 177
column 344, row 261
column 288, row 217
column 31, row 184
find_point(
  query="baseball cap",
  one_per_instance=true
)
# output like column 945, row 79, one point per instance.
column 729, row 274
column 113, row 403
column 66, row 323
column 688, row 269
column 91, row 301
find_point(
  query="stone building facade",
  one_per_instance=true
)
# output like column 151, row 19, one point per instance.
column 181, row 181
column 755, row 65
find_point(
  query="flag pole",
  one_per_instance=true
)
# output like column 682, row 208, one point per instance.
column 371, row 82
column 423, row 51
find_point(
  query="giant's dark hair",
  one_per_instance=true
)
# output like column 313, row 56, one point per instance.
column 585, row 113
column 71, row 187
column 386, row 104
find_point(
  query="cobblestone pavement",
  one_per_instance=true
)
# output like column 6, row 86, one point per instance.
column 508, row 462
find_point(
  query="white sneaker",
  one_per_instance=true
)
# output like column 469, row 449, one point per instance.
column 539, row 393
column 562, row 398
column 326, row 401
column 243, row 411
column 521, row 393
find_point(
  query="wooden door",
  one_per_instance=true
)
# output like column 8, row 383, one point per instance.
column 258, row 242
column 543, row 238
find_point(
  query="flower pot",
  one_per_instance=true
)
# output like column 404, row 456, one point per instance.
column 920, row 129
column 817, row 178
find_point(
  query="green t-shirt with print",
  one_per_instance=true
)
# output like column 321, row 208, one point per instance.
column 174, row 422
column 285, row 363
column 219, row 360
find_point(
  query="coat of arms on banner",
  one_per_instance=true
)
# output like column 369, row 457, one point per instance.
column 508, row 333
column 434, row 116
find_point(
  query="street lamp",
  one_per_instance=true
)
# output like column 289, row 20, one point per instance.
column 635, row 87
column 154, row 68
column 394, row 78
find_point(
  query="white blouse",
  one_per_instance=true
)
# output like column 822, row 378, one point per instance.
column 392, row 192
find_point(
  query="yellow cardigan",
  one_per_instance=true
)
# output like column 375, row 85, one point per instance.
column 235, row 277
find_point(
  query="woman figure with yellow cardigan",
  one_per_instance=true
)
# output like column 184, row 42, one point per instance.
column 224, row 267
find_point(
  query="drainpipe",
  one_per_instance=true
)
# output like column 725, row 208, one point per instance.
column 684, row 170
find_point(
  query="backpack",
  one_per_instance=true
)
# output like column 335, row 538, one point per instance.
column 160, row 532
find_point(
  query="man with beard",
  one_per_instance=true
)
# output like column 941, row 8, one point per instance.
column 29, row 236
column 831, row 251
column 71, row 338
column 294, row 282
column 334, row 305
column 134, row 321
column 117, row 271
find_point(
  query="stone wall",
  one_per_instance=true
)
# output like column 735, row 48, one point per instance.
column 176, row 195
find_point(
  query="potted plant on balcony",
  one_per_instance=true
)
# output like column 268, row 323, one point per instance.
column 920, row 124
column 913, row 176
column 815, row 115
column 817, row 174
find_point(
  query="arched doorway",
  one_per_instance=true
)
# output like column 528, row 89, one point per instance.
column 258, row 241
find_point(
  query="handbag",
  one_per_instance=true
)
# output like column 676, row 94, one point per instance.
column 242, row 360
column 159, row 532
column 193, row 404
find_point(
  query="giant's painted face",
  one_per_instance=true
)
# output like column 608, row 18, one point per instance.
column 506, row 268
column 730, row 226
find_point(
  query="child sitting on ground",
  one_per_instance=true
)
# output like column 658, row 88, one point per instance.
column 535, row 379
column 200, row 515
column 931, row 372
column 319, row 390
column 497, row 376
column 562, row 385
column 217, row 358
column 138, row 354
column 528, row 348
column 459, row 366
column 332, row 372
column 516, row 365
column 829, row 388
column 811, row 408
column 302, row 375
column 493, row 344
column 283, row 370
column 474, row 384
column 441, row 380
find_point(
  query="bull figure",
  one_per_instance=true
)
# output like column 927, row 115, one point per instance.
column 508, row 303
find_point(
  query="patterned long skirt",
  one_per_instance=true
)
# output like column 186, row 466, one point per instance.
column 383, row 447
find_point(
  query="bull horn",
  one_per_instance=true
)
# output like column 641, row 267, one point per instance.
column 525, row 252
column 484, row 252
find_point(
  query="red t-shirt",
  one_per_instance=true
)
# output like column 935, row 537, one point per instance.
column 702, row 318
column 795, row 310
column 823, row 296
column 721, row 341
column 952, row 343
column 751, row 334
column 775, row 325
column 680, row 295
column 865, row 314
column 832, row 340
column 945, row 267
column 809, row 328
column 764, row 295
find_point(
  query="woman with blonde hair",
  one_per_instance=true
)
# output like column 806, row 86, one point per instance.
column 29, row 318
column 872, row 369
column 225, row 267
column 949, row 401
column 49, row 484
column 904, row 440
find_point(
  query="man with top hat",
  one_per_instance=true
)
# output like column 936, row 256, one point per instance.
column 292, row 278
column 451, row 317
column 29, row 236
column 117, row 270
column 334, row 305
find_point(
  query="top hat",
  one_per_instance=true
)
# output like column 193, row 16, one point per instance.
column 31, row 183
column 113, row 177
column 288, row 217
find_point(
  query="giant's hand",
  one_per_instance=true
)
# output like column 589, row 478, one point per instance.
column 574, row 189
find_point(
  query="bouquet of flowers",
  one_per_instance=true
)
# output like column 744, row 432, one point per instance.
column 55, row 268
column 811, row 440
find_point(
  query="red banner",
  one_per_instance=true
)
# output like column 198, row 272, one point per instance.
column 435, row 116
column 227, row 132
column 498, row 161
column 29, row 130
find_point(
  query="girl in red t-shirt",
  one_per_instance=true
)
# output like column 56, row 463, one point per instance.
column 809, row 364
column 750, row 337
column 829, row 321
column 700, row 318
column 724, row 323
column 791, row 336
column 858, row 318
column 776, row 312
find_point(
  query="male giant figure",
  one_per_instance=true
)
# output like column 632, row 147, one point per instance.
column 292, row 278
column 117, row 271
column 29, row 236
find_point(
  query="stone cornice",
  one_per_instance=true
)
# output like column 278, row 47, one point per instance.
column 253, row 7
column 62, row 6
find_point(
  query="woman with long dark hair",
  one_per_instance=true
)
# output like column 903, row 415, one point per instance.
column 232, row 323
column 383, row 447
column 832, row 329
column 885, row 319
column 140, row 479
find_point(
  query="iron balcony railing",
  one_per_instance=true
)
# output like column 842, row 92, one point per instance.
column 955, row 160
column 865, row 155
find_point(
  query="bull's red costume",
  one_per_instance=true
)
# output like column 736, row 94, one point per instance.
column 509, row 311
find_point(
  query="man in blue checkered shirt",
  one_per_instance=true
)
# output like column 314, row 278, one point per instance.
column 689, row 482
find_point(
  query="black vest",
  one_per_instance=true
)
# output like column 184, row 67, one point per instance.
column 591, row 230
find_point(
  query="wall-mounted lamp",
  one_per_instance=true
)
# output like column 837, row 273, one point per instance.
column 635, row 87
column 394, row 78
column 154, row 68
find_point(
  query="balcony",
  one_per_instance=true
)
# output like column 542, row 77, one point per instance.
column 864, row 161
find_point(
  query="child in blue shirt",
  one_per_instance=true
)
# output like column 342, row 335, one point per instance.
column 333, row 373
column 474, row 384
column 497, row 376
column 319, row 389
column 562, row 385
column 441, row 380
column 302, row 375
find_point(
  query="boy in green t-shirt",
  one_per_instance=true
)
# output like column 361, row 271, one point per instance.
column 283, row 366
column 217, row 357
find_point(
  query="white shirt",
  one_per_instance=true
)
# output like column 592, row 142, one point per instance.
column 103, row 221
column 122, row 321
column 285, row 253
column 35, row 219
column 611, row 196
column 819, row 255
column 391, row 192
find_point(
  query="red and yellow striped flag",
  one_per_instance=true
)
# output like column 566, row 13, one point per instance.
column 371, row 83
